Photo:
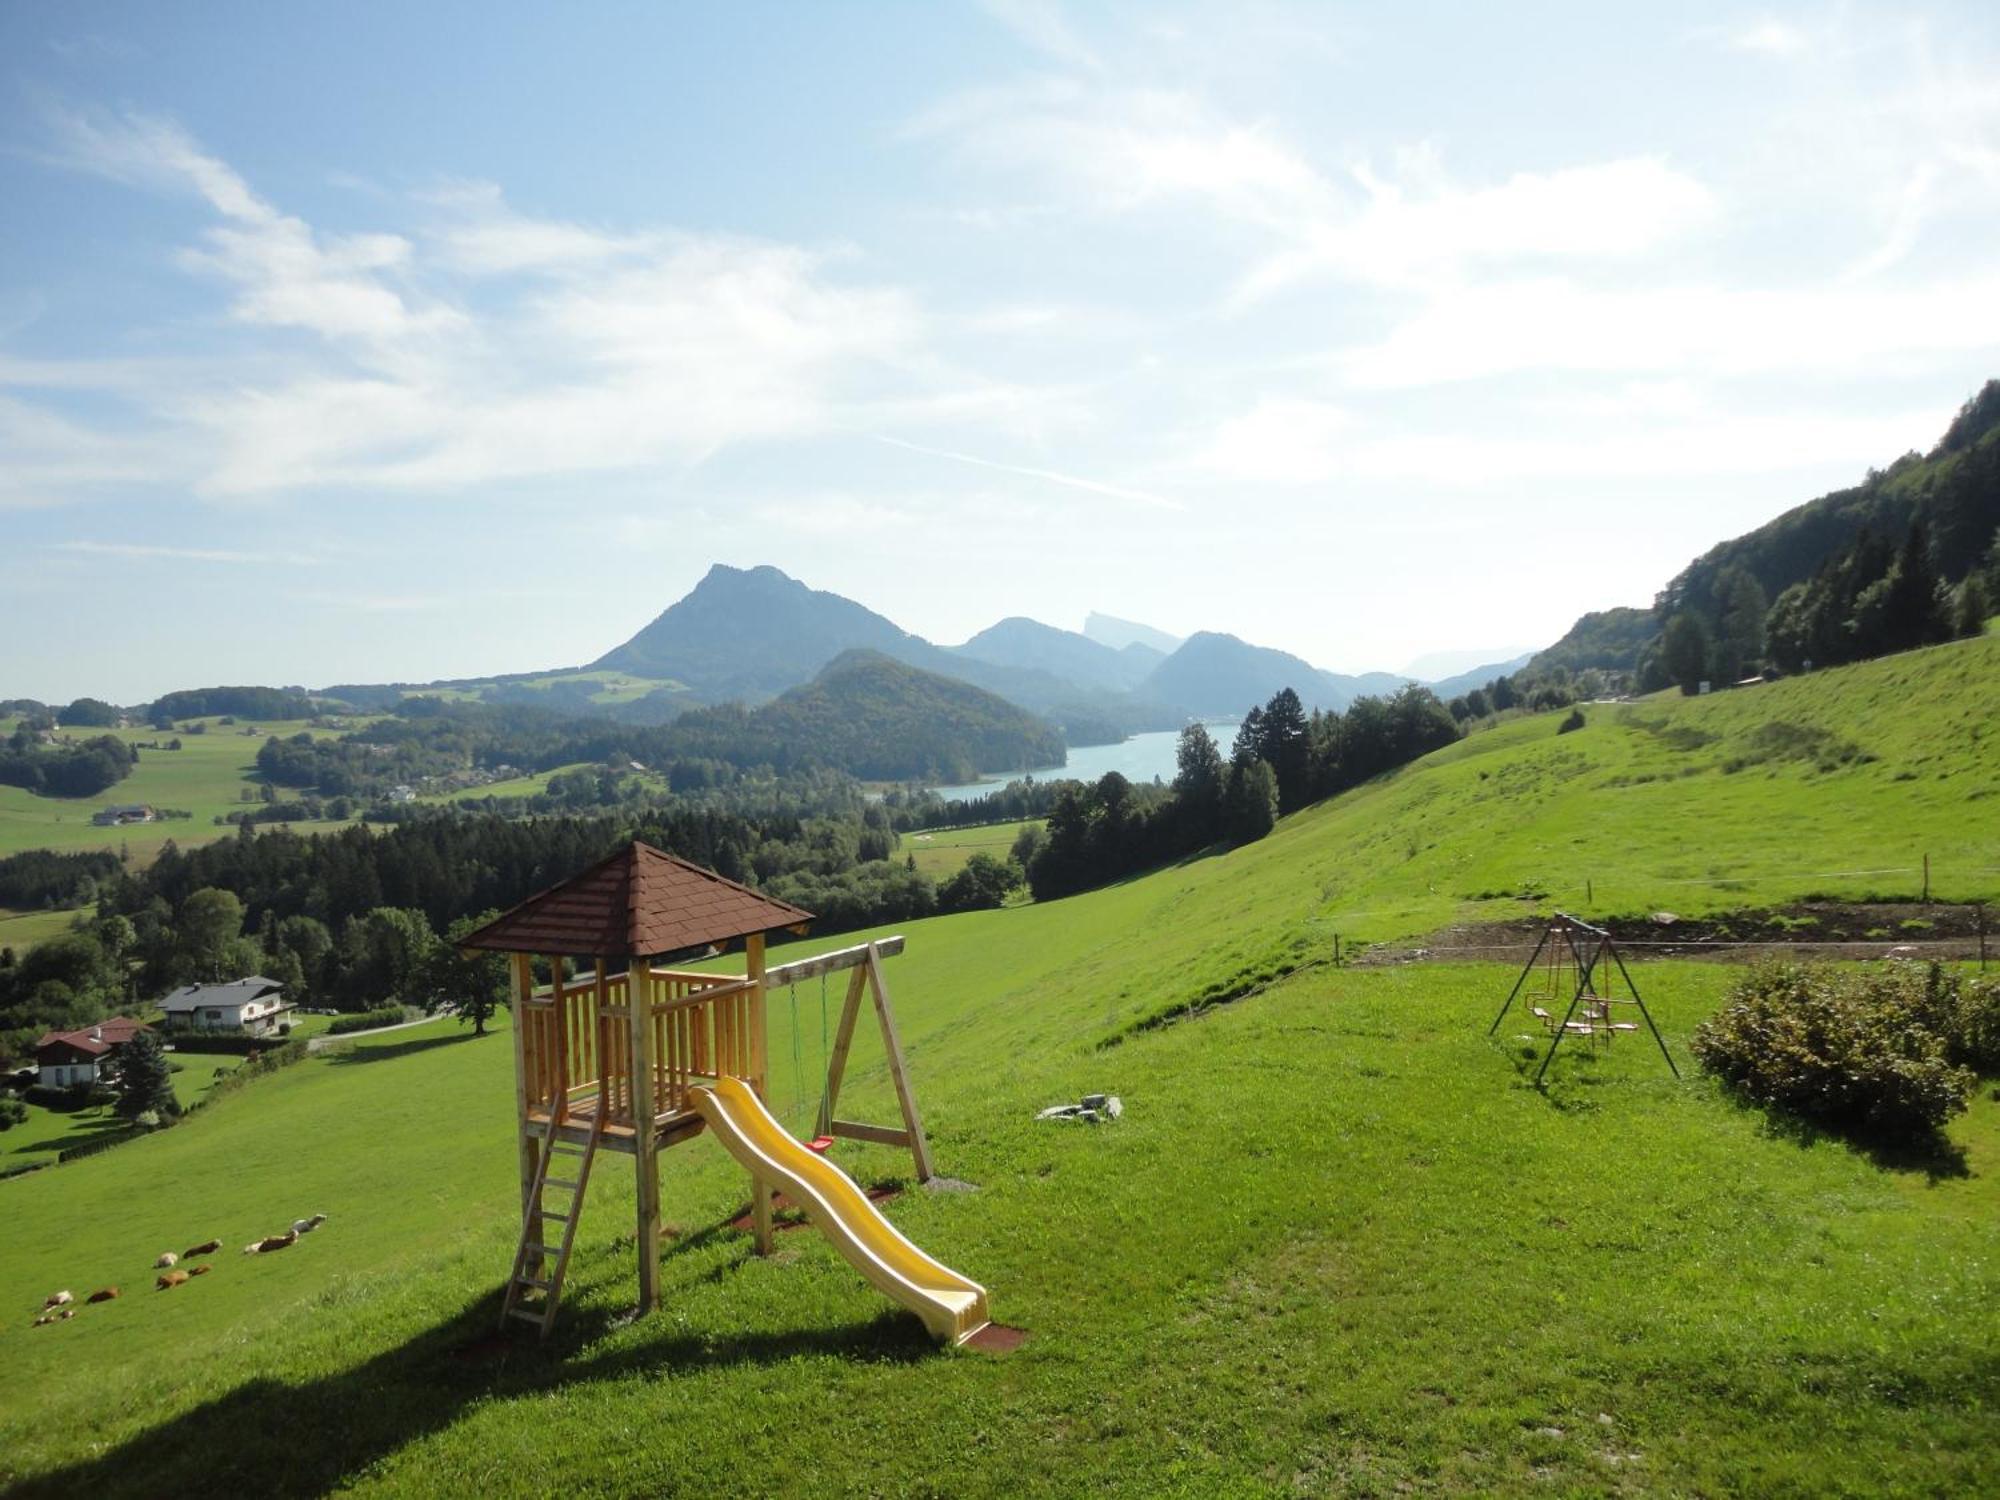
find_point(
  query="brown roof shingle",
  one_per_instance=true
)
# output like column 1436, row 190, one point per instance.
column 639, row 903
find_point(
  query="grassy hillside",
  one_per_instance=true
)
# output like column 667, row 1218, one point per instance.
column 207, row 777
column 1337, row 1243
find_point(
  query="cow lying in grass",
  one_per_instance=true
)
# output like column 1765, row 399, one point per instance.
column 207, row 1247
column 272, row 1242
column 57, row 1299
column 166, row 1262
column 172, row 1279
column 54, row 1315
column 104, row 1294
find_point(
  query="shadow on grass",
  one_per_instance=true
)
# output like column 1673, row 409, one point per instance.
column 97, row 1130
column 271, row 1437
column 1934, row 1154
column 388, row 1050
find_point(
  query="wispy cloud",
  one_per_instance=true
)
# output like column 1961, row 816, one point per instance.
column 1046, row 476
column 174, row 554
column 492, row 345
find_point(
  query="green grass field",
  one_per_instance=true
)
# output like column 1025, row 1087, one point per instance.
column 206, row 777
column 1337, row 1244
column 48, row 1132
column 606, row 686
column 944, row 851
column 21, row 930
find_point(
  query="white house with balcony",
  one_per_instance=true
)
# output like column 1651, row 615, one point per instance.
column 253, row 1004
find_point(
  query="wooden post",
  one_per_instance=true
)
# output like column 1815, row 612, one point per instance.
column 523, row 966
column 1927, row 879
column 760, row 1052
column 646, row 1151
column 843, row 1038
column 1982, row 937
column 898, row 1071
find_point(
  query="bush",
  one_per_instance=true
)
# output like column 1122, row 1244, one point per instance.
column 224, row 1044
column 12, row 1112
column 76, row 1096
column 1573, row 723
column 1851, row 1048
column 368, row 1020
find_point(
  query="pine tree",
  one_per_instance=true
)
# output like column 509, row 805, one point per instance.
column 145, row 1080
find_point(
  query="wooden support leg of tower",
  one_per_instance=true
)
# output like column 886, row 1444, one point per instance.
column 760, row 1192
column 531, row 1146
column 646, row 1159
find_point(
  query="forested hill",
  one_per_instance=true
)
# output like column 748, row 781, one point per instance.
column 1952, row 492
column 878, row 719
column 1945, row 502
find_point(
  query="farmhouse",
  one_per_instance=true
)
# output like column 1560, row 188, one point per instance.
column 119, row 813
column 67, row 1058
column 253, row 1004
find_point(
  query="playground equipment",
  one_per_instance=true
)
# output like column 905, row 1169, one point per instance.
column 1572, row 966
column 632, row 1056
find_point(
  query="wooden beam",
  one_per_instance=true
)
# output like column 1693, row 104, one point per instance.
column 881, row 1135
column 760, row 1192
column 523, row 970
column 828, row 963
column 843, row 1038
column 898, row 1070
column 646, row 1153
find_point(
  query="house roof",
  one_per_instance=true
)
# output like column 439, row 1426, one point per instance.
column 639, row 903
column 95, row 1040
column 236, row 992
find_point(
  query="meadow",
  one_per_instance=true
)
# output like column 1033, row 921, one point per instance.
column 941, row 852
column 207, row 777
column 1338, row 1243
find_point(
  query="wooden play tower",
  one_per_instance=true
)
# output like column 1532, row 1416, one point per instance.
column 630, row 1054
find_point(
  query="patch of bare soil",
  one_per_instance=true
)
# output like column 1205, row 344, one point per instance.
column 1820, row 929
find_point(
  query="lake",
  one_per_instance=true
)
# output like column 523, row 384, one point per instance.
column 1140, row 758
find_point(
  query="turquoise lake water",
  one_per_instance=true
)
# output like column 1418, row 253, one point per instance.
column 1140, row 758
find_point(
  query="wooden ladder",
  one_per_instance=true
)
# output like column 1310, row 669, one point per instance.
column 532, row 1253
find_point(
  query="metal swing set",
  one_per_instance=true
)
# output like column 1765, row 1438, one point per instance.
column 1576, row 960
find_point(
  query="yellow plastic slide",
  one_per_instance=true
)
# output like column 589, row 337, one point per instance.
column 952, row 1308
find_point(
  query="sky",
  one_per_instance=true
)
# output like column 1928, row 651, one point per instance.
column 383, row 342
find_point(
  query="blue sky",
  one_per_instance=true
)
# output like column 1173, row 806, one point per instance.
column 396, row 342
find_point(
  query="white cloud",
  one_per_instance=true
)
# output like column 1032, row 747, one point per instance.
column 1768, row 38
column 1281, row 441
column 1043, row 26
column 1510, row 327
column 623, row 350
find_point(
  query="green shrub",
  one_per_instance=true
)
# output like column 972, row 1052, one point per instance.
column 1852, row 1048
column 368, row 1020
column 12, row 1112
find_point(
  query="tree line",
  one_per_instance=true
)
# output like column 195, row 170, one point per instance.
column 1282, row 759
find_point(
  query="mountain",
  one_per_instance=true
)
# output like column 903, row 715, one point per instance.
column 879, row 719
column 1109, row 630
column 1448, row 688
column 748, row 634
column 1440, row 666
column 1029, row 644
column 1213, row 674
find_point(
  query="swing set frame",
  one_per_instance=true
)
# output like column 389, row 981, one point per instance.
column 1591, row 950
column 863, row 965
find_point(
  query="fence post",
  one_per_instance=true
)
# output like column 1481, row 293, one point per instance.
column 1927, row 879
column 1982, row 937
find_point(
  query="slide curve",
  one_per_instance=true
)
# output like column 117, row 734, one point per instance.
column 951, row 1307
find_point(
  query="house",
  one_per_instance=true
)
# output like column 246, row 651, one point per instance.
column 402, row 794
column 253, row 1004
column 119, row 813
column 67, row 1058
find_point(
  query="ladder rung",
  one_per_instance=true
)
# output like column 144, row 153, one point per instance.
column 567, row 1149
column 529, row 1281
column 544, row 1250
column 525, row 1315
column 549, row 1213
column 561, row 1183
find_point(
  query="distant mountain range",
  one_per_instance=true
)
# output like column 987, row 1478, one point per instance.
column 748, row 634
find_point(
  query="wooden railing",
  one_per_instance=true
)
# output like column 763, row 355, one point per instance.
column 577, row 1041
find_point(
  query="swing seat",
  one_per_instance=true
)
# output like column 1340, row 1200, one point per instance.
column 819, row 1144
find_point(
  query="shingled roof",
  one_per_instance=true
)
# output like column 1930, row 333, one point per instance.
column 639, row 903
